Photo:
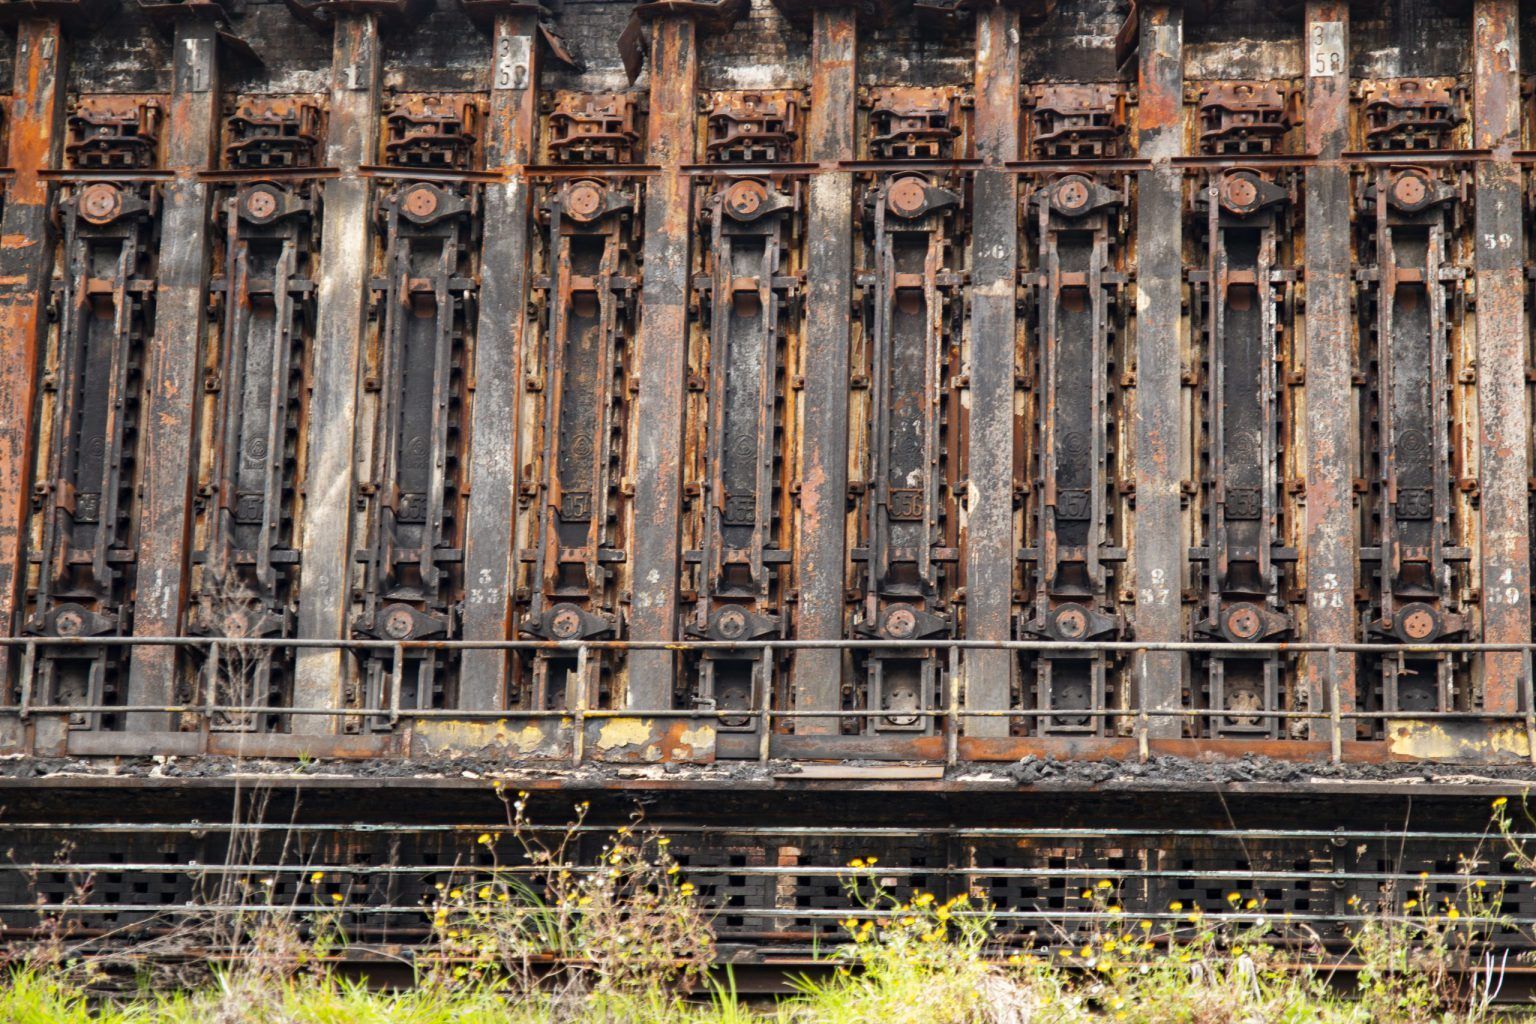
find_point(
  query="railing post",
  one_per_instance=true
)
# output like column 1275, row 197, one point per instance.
column 579, row 733
column 1335, row 708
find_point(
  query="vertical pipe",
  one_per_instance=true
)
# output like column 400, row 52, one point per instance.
column 36, row 117
column 1503, row 457
column 661, row 356
column 990, row 545
column 821, row 576
column 1160, row 449
column 489, row 545
column 173, row 366
column 325, row 583
column 1332, row 438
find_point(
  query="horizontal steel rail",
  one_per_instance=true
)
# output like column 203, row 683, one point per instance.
column 765, row 715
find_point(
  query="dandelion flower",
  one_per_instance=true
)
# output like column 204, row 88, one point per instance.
column 485, row 839
column 317, row 877
column 1500, row 802
column 1175, row 906
column 335, row 897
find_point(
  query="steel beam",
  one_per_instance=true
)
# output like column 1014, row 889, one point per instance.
column 173, row 366
column 1332, row 438
column 490, row 578
column 342, row 320
column 1160, row 444
column 35, row 122
column 1503, row 453
column 822, row 542
column 661, row 359
column 990, row 544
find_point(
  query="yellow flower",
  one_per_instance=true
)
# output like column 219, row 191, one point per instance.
column 1410, row 904
column 1175, row 906
column 1251, row 904
column 1105, row 883
column 456, row 894
column 686, row 888
column 922, row 899
column 1481, row 884
column 1114, row 910
column 1146, row 926
column 485, row 839
column 1087, row 894
column 872, row 861
column 317, row 877
column 459, row 972
column 856, row 863
column 502, row 898
column 335, row 897
column 1086, row 951
column 1500, row 802
column 1233, row 897
column 663, row 841
column 1453, row 913
column 485, row 892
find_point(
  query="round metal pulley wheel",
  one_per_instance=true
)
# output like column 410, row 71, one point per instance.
column 1417, row 622
column 421, row 202
column 236, row 625
column 730, row 624
column 583, row 201
column 900, row 624
column 1070, row 622
column 1239, row 192
column 69, row 622
column 261, row 204
column 745, row 198
column 101, row 203
column 1071, row 194
column 1410, row 190
column 398, row 623
column 565, row 622
column 1242, row 621
column 907, row 196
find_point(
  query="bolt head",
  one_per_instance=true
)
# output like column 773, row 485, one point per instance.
column 583, row 200
column 745, row 198
column 1243, row 621
column 1418, row 622
column 1072, row 194
column 100, row 203
column 565, row 622
column 260, row 204
column 907, row 196
column 731, row 624
column 1410, row 190
column 421, row 201
column 398, row 623
column 901, row 624
column 69, row 622
column 1071, row 622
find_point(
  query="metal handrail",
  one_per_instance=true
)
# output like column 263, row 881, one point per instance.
column 765, row 715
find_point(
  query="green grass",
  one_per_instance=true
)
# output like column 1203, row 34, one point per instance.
column 637, row 948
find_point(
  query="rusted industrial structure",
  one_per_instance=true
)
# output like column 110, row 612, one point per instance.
column 714, row 384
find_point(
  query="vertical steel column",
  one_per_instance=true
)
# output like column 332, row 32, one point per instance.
column 1160, row 441
column 661, row 358
column 489, row 548
column 821, row 574
column 990, row 544
column 1503, row 458
column 36, row 117
column 1332, row 436
column 174, row 369
column 325, row 581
